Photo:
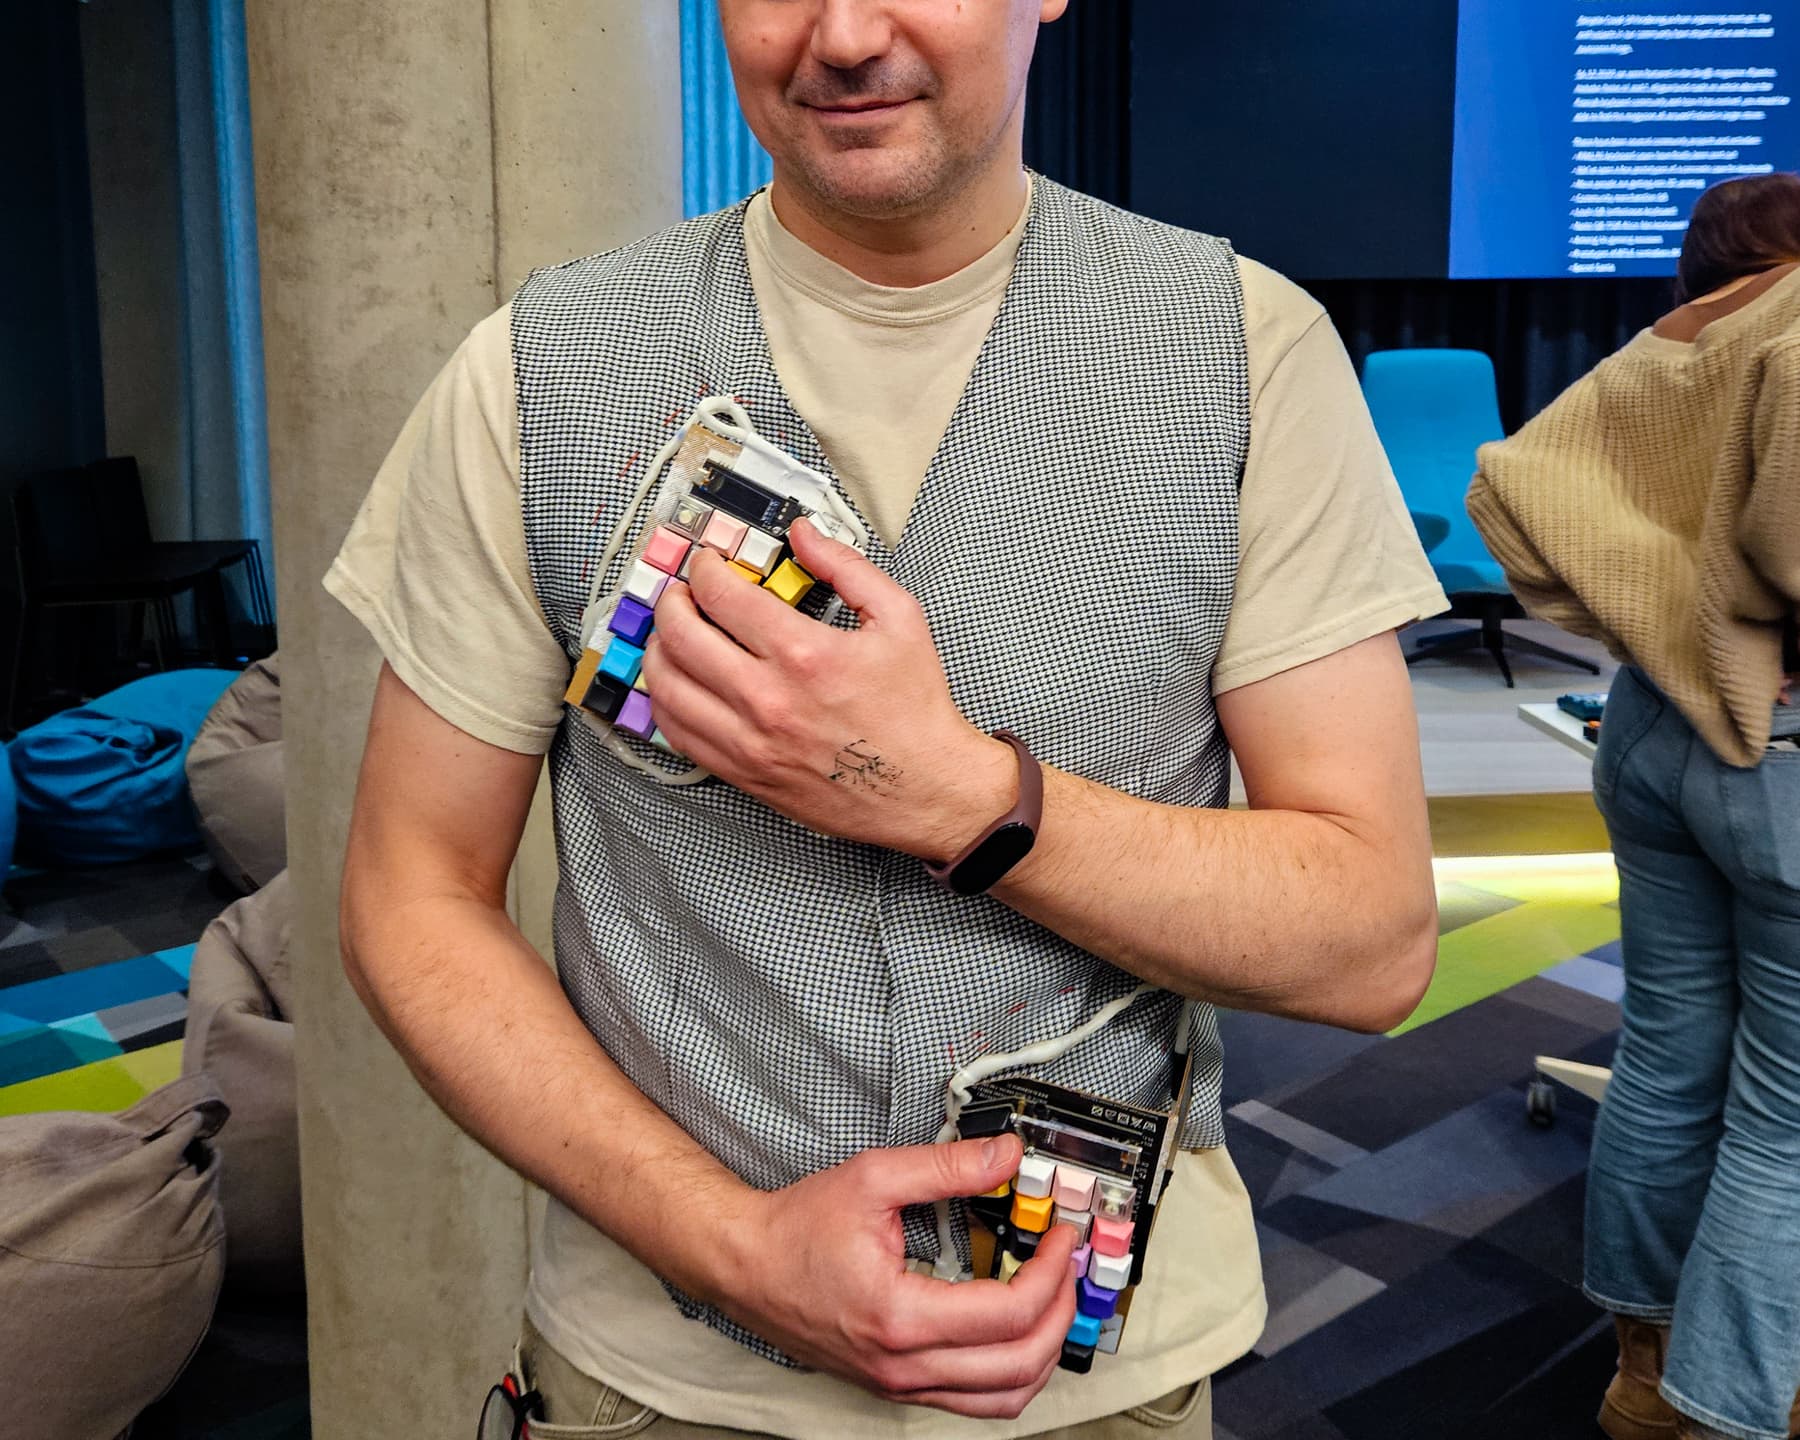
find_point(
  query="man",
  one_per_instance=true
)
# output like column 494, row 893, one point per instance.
column 1075, row 435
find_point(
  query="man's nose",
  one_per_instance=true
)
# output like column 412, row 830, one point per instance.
column 849, row 33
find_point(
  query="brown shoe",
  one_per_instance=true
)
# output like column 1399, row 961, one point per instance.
column 1632, row 1409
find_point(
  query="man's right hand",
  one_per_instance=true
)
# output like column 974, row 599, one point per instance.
column 819, row 1270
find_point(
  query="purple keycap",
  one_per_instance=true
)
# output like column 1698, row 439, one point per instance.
column 632, row 622
column 636, row 717
column 1080, row 1261
column 1095, row 1300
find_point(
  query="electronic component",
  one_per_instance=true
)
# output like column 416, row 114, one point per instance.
column 750, row 502
column 717, row 485
column 1095, row 1165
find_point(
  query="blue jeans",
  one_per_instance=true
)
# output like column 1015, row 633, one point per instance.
column 1693, row 1202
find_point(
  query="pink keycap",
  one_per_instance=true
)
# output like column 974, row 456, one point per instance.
column 724, row 533
column 665, row 549
column 1110, row 1237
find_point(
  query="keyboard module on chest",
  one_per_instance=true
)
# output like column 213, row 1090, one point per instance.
column 730, row 493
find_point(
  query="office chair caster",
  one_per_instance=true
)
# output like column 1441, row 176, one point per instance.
column 1540, row 1104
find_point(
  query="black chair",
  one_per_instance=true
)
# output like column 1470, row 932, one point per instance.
column 83, row 540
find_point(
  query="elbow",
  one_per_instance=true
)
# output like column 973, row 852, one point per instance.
column 1388, row 991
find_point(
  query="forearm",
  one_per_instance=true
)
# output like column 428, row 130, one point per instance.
column 485, row 1027
column 1289, row 912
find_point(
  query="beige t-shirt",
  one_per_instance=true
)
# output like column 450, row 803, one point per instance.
column 435, row 566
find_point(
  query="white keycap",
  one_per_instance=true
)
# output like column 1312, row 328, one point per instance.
column 1037, row 1173
column 1110, row 1272
column 760, row 551
column 644, row 583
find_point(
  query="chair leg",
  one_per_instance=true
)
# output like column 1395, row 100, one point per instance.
column 1494, row 637
column 1550, row 652
column 1433, row 647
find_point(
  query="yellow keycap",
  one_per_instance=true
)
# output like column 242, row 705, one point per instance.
column 789, row 583
column 584, row 677
column 999, row 1192
column 1009, row 1265
column 1032, row 1213
column 747, row 573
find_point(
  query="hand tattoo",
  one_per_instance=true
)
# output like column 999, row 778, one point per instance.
column 858, row 765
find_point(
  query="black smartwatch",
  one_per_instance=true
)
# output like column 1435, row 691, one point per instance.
column 1007, row 841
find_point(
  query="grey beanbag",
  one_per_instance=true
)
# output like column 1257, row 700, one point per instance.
column 240, row 1034
column 111, row 1256
column 235, row 775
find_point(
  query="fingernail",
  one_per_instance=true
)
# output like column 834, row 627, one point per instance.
column 990, row 1153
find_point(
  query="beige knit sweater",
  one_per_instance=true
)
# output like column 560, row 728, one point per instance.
column 1656, row 507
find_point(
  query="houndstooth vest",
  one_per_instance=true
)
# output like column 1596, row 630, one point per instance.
column 792, row 1000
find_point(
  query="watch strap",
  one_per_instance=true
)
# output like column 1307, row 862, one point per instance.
column 1027, row 813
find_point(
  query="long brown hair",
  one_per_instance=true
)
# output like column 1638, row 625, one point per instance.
column 1739, row 228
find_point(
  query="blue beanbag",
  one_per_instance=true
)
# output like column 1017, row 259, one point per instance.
column 104, row 782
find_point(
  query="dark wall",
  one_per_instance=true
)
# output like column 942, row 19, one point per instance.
column 50, row 396
column 1086, row 128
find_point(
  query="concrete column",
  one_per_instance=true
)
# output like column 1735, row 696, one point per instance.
column 412, row 163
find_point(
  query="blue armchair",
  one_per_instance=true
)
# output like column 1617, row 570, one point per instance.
column 1433, row 409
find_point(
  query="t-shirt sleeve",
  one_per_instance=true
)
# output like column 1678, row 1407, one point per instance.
column 435, row 565
column 1327, row 554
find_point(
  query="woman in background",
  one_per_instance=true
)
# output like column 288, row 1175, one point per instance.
column 1656, row 506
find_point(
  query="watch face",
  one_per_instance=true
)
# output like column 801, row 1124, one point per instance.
column 1002, row 850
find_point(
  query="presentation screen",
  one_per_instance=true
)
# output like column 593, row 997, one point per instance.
column 1583, row 136
column 1490, row 139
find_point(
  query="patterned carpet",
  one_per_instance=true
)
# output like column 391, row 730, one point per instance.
column 1421, row 1239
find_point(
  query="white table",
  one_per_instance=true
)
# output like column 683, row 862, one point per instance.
column 1589, row 1080
column 1559, row 725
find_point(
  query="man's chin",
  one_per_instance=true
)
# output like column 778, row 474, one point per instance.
column 873, row 182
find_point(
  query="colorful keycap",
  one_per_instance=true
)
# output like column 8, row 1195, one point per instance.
column 1074, row 1187
column 1084, row 1331
column 1032, row 1212
column 1079, row 1261
column 666, row 549
column 1095, row 1300
column 622, row 661
column 1111, row 1237
column 745, row 572
column 585, row 669
column 634, row 715
column 632, row 621
column 724, row 533
column 789, row 583
column 1009, row 1265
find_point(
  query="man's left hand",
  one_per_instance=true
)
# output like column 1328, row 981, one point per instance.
column 851, row 733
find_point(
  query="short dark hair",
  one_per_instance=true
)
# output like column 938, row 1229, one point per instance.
column 1739, row 228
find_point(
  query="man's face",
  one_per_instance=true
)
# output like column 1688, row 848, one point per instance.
column 880, row 108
